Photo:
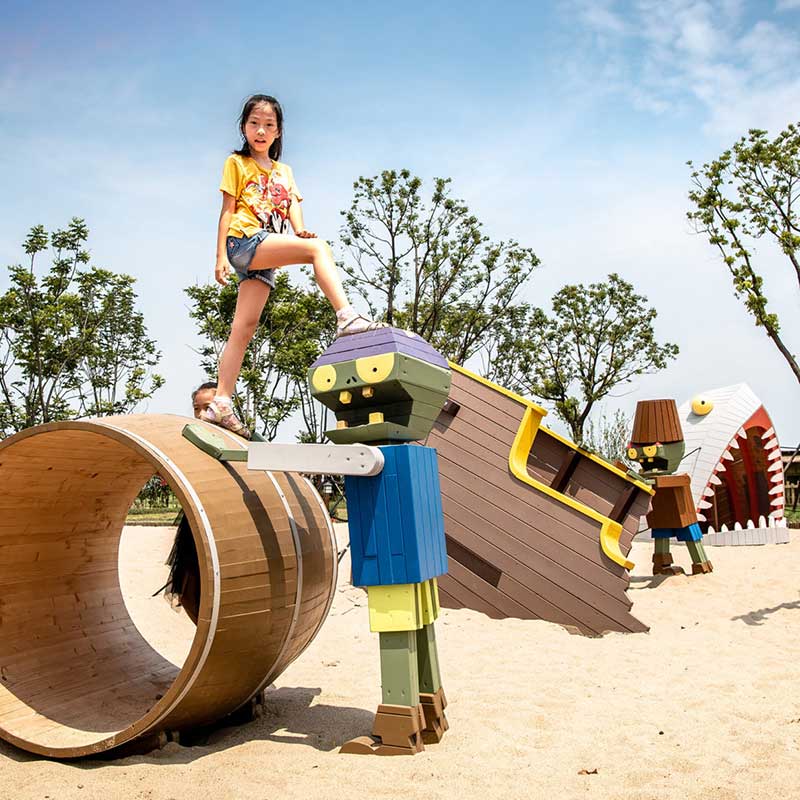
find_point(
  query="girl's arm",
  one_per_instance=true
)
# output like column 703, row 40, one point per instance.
column 223, row 269
column 296, row 218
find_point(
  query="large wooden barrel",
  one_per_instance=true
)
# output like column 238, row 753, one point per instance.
column 76, row 676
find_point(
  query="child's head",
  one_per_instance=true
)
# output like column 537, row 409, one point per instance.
column 261, row 120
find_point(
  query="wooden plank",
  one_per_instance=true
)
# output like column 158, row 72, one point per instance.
column 524, row 510
column 624, row 502
column 568, row 466
column 548, row 587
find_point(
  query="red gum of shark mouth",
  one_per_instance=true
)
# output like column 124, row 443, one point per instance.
column 745, row 489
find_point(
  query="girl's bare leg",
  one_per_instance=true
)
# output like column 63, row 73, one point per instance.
column 250, row 303
column 280, row 250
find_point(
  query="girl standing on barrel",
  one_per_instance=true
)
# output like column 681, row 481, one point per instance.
column 260, row 202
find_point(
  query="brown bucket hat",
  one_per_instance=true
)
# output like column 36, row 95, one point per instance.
column 656, row 421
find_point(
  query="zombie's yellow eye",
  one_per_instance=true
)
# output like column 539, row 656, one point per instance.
column 650, row 450
column 701, row 405
column 324, row 378
column 375, row 369
column 632, row 452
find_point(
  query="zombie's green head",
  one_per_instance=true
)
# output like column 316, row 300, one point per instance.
column 657, row 439
column 387, row 385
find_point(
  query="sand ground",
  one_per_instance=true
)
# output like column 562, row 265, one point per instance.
column 704, row 706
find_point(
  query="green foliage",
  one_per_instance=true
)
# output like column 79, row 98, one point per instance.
column 72, row 343
column 426, row 265
column 596, row 338
column 608, row 436
column 155, row 494
column 748, row 193
column 296, row 325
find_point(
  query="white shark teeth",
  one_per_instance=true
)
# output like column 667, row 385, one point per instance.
column 777, row 502
column 723, row 528
column 773, row 455
column 727, row 455
column 708, row 492
column 704, row 504
column 710, row 529
column 776, row 490
column 767, row 434
column 771, row 443
column 777, row 477
column 750, row 525
column 776, row 513
column 778, row 465
column 715, row 479
column 701, row 517
column 741, row 434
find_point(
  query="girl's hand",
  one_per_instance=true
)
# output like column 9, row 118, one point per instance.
column 222, row 272
column 304, row 234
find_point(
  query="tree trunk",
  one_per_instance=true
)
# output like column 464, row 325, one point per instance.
column 784, row 352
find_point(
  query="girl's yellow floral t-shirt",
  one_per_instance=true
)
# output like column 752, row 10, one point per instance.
column 263, row 197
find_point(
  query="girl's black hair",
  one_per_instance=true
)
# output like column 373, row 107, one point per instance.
column 276, row 148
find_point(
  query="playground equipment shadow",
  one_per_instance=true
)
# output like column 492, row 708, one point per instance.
column 290, row 717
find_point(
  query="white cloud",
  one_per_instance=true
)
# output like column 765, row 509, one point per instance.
column 787, row 5
column 768, row 49
column 667, row 54
column 698, row 35
column 602, row 19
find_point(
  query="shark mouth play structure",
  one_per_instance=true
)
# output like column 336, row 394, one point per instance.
column 734, row 460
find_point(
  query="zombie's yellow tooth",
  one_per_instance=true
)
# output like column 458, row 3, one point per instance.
column 367, row 391
column 345, row 397
column 375, row 416
column 341, row 423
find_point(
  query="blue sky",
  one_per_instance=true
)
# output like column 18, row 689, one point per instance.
column 565, row 125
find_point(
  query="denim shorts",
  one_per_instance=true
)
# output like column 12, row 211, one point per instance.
column 241, row 250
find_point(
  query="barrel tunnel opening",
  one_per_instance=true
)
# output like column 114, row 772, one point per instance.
column 74, row 667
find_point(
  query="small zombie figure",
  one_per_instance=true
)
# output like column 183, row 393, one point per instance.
column 657, row 444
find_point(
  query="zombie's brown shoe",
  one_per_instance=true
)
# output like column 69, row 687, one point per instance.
column 702, row 567
column 433, row 706
column 662, row 565
column 397, row 732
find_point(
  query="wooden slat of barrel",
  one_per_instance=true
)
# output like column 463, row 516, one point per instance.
column 77, row 676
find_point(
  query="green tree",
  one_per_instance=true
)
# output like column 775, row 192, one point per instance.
column 427, row 266
column 751, row 192
column 118, row 355
column 608, row 435
column 596, row 338
column 295, row 326
column 72, row 343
